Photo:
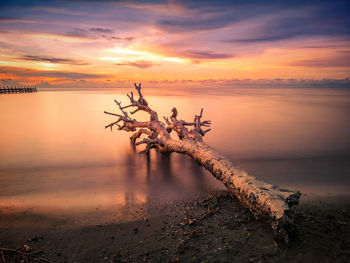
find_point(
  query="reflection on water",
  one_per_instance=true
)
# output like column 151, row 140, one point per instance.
column 136, row 180
column 56, row 156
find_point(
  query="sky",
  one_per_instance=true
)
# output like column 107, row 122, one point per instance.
column 112, row 43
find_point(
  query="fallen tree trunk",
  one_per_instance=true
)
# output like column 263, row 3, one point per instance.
column 263, row 199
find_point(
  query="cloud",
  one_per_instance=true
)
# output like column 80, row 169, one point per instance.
column 324, row 46
column 52, row 60
column 343, row 61
column 12, row 19
column 141, row 64
column 265, row 21
column 101, row 30
column 177, row 50
column 280, row 28
column 210, row 15
column 204, row 54
column 94, row 33
column 5, row 45
column 344, row 52
column 301, row 21
column 77, row 32
column 6, row 18
column 176, row 33
column 259, row 39
column 56, row 10
column 128, row 39
column 177, row 25
column 4, row 82
column 222, row 86
column 24, row 72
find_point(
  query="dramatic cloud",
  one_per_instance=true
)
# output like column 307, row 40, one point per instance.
column 52, row 60
column 174, row 40
column 308, row 23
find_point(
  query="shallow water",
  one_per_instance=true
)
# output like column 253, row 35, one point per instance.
column 56, row 157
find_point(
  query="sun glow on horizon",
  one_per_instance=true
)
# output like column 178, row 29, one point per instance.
column 129, row 54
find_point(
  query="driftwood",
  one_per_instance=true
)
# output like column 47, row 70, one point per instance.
column 263, row 199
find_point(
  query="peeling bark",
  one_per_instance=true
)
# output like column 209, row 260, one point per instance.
column 263, row 199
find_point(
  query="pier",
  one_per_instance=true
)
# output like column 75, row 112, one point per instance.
column 19, row 89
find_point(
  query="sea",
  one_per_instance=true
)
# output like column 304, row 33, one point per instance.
column 57, row 158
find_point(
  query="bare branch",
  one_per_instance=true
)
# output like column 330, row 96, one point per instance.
column 152, row 128
column 198, row 124
column 174, row 110
column 133, row 112
column 205, row 131
column 138, row 134
column 114, row 114
column 113, row 123
column 127, row 106
column 138, row 88
column 122, row 109
column 206, row 123
column 169, row 127
column 146, row 141
column 150, row 143
column 131, row 97
column 179, row 126
column 187, row 123
column 149, row 147
column 167, row 120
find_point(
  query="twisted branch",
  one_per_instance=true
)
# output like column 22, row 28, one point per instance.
column 150, row 143
column 157, row 132
column 179, row 126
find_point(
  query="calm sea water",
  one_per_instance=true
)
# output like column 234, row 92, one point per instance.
column 56, row 156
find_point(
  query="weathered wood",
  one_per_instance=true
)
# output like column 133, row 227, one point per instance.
column 263, row 199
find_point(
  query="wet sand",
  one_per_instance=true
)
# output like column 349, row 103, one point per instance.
column 212, row 229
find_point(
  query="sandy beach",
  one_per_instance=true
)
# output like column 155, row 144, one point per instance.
column 212, row 229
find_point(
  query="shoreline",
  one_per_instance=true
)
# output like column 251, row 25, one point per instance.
column 213, row 229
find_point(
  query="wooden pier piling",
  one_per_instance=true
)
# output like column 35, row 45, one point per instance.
column 19, row 89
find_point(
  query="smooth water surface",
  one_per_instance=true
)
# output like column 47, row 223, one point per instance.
column 56, row 156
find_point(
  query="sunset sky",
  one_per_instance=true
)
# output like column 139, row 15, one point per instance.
column 110, row 43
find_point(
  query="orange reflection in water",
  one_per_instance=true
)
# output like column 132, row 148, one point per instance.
column 56, row 156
